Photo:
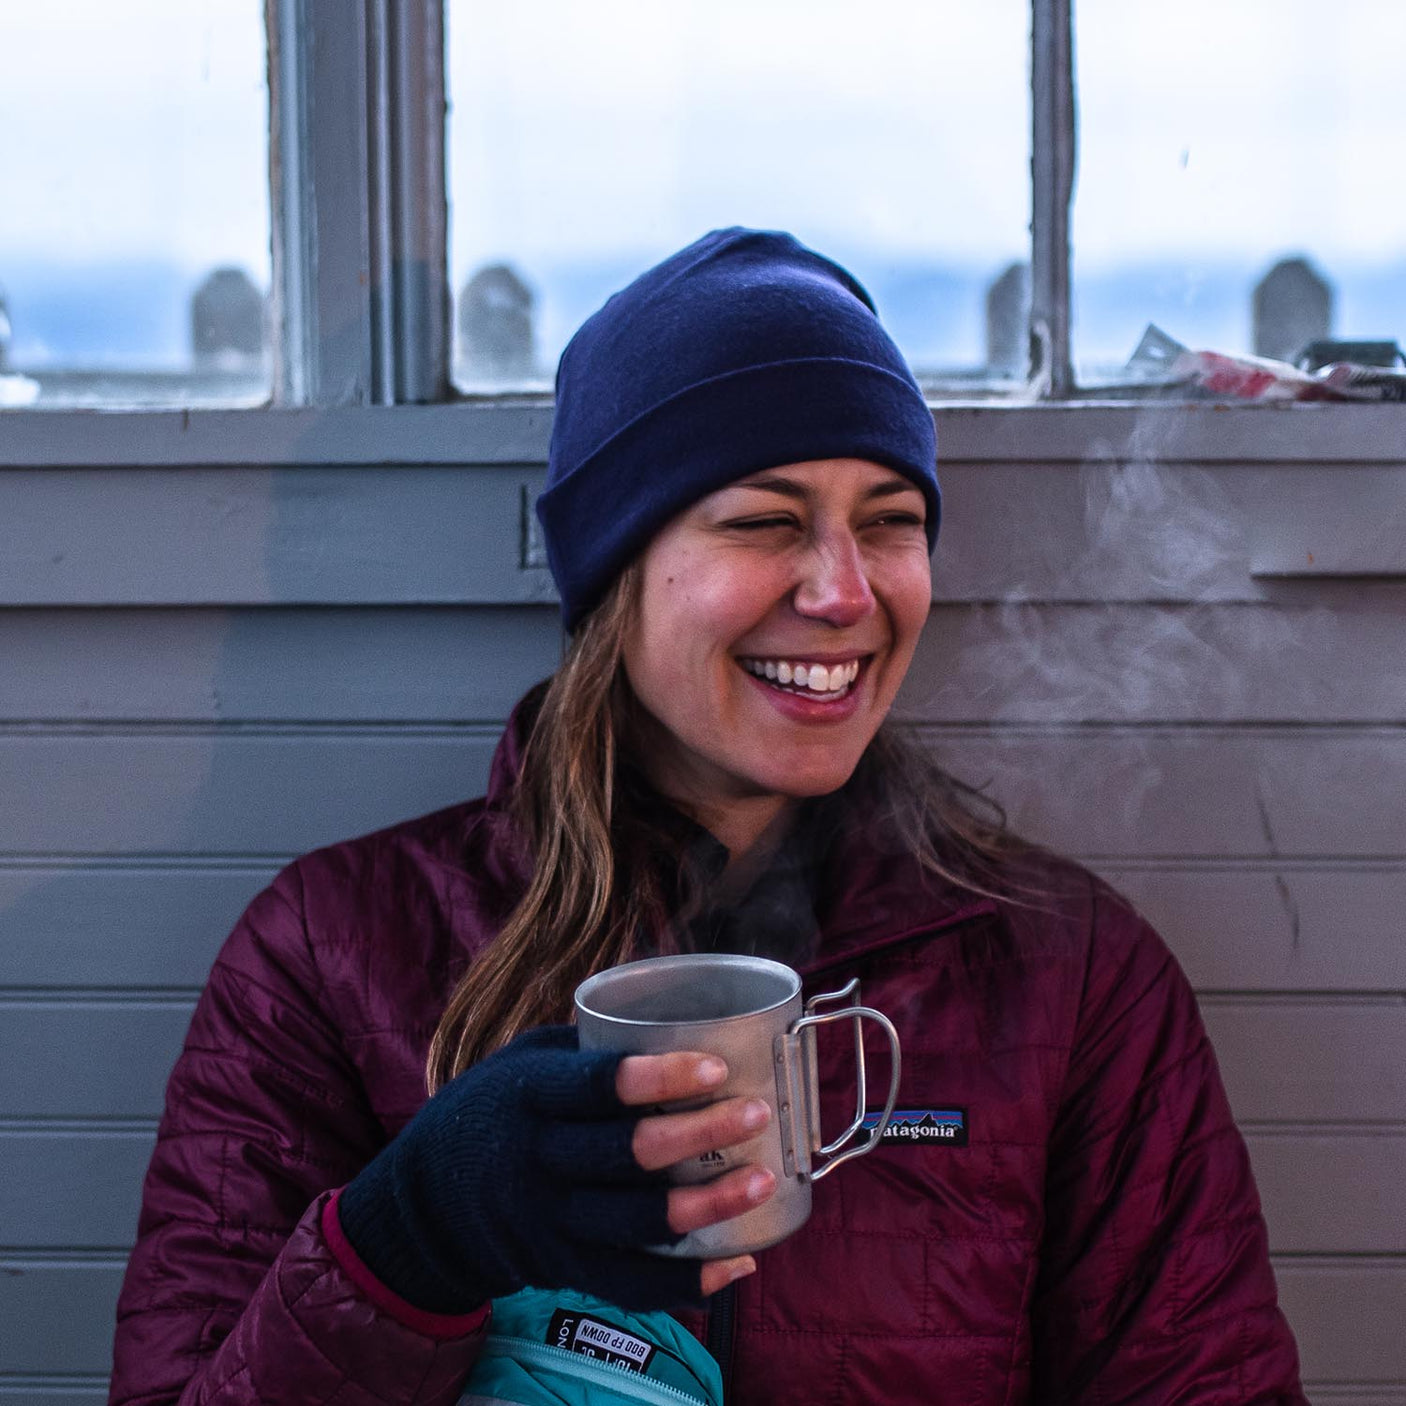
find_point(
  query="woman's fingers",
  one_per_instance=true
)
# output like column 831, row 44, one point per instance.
column 641, row 1080
column 662, row 1139
column 666, row 1138
column 692, row 1207
column 718, row 1274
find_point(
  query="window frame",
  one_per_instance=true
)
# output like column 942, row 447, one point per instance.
column 358, row 201
column 362, row 304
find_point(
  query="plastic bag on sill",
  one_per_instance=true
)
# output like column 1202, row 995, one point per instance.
column 1260, row 377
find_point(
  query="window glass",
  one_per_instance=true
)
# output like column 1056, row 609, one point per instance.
column 588, row 141
column 134, row 208
column 1239, row 179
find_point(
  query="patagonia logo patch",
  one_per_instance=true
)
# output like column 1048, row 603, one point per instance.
column 927, row 1127
column 579, row 1332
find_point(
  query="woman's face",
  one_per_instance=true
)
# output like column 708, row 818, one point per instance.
column 777, row 619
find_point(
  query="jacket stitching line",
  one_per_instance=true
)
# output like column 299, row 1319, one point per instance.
column 1026, row 1297
column 1195, row 1144
column 879, row 1336
column 246, row 982
column 1061, row 1083
column 297, row 1153
column 207, row 1313
column 281, row 1231
column 1151, row 1333
column 243, row 1370
column 335, row 1367
column 288, row 1075
column 1242, row 1335
column 925, row 1313
column 933, row 926
column 1148, row 1084
column 360, row 1389
column 981, row 1376
column 300, row 912
column 1154, row 983
column 936, row 1237
column 939, row 956
column 222, row 1220
column 837, row 1396
column 1096, row 1303
column 425, row 1375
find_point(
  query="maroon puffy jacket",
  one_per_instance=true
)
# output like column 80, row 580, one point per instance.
column 1090, row 1232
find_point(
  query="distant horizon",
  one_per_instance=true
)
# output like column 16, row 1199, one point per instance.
column 935, row 308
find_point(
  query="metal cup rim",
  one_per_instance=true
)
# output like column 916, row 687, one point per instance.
column 685, row 959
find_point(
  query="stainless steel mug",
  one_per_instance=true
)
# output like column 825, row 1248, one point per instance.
column 748, row 1011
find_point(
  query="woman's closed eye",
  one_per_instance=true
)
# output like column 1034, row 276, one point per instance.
column 899, row 519
column 773, row 520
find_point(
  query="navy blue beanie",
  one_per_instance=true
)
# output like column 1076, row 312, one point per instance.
column 743, row 352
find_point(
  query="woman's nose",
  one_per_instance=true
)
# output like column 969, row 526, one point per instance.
column 834, row 586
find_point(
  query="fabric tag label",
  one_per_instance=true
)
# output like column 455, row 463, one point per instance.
column 579, row 1332
column 921, row 1127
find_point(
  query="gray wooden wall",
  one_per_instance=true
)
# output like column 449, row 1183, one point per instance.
column 216, row 652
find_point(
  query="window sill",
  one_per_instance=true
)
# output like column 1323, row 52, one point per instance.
column 516, row 431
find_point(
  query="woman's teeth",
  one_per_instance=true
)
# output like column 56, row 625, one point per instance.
column 809, row 678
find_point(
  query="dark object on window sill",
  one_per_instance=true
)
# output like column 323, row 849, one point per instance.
column 1325, row 351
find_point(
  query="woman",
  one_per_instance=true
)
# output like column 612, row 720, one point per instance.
column 740, row 507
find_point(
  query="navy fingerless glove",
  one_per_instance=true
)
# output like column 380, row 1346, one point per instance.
column 519, row 1172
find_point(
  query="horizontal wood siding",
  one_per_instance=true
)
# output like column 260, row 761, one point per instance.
column 1262, row 924
column 1113, row 793
column 1191, row 675
column 1017, row 662
column 1345, row 1312
column 1325, row 1190
column 1292, row 1060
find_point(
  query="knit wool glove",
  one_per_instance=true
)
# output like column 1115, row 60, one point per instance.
column 519, row 1172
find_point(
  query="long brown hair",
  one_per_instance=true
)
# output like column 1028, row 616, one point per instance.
column 600, row 870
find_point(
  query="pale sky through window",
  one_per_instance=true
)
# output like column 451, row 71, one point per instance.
column 1173, row 90
column 90, row 97
column 134, row 129
column 1231, row 130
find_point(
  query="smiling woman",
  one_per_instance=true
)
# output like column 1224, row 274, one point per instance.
column 375, row 1134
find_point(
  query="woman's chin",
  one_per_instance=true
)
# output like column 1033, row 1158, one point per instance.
column 805, row 780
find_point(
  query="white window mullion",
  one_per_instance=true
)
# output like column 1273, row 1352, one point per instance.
column 322, row 276
column 1054, row 149
column 417, row 214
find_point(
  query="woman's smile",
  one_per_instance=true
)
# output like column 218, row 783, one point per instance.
column 806, row 677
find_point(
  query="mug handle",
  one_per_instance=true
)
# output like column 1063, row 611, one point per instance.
column 796, row 1109
column 849, row 995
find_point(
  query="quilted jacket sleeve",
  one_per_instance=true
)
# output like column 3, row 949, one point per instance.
column 1155, row 1280
column 239, row 1288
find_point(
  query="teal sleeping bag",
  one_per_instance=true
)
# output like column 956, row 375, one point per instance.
column 561, row 1348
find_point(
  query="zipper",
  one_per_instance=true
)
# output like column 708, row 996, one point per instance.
column 721, row 1331
column 620, row 1380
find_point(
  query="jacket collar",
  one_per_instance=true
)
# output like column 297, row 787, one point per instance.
column 870, row 891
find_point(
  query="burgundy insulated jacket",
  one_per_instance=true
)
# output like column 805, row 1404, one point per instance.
column 1090, row 1232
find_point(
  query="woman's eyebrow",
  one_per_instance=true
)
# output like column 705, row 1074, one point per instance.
column 792, row 488
column 774, row 483
column 890, row 487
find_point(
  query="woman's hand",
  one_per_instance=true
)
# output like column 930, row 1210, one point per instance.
column 663, row 1139
column 537, row 1166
